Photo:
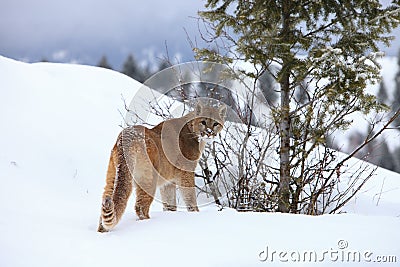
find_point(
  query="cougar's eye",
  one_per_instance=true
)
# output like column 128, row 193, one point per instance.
column 204, row 122
column 216, row 124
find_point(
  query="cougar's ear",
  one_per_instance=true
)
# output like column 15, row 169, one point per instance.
column 222, row 112
column 198, row 109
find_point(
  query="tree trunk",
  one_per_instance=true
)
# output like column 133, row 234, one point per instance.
column 284, row 133
column 284, row 153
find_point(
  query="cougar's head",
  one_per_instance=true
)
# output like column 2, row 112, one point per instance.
column 208, row 121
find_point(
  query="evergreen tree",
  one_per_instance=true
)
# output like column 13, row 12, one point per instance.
column 386, row 159
column 382, row 93
column 103, row 63
column 132, row 69
column 335, row 41
column 301, row 94
column 266, row 84
column 396, row 159
column 163, row 65
column 396, row 94
column 146, row 73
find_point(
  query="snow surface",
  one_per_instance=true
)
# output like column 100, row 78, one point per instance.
column 59, row 123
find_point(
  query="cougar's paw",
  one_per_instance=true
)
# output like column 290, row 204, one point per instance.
column 195, row 208
column 143, row 217
column 169, row 207
column 141, row 213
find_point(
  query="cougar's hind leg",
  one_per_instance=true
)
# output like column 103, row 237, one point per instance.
column 146, row 176
column 145, row 190
column 168, row 196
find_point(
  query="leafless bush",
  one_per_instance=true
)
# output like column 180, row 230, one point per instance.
column 241, row 170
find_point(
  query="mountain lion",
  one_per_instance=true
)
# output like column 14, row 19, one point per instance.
column 164, row 156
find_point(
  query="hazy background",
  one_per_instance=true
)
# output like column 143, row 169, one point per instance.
column 82, row 31
column 85, row 30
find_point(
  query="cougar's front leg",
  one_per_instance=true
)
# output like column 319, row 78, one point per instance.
column 188, row 190
column 168, row 196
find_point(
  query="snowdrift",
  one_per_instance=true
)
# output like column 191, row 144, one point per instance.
column 59, row 123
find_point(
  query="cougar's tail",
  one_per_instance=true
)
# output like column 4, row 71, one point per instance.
column 117, row 190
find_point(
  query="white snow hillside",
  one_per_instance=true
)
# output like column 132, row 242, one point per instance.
column 58, row 124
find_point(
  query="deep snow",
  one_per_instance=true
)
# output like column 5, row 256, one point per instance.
column 59, row 123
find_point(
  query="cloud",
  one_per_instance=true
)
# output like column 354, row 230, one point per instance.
column 87, row 28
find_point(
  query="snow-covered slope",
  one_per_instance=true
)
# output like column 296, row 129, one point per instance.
column 58, row 125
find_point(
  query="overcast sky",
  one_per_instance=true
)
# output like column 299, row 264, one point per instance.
column 84, row 30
